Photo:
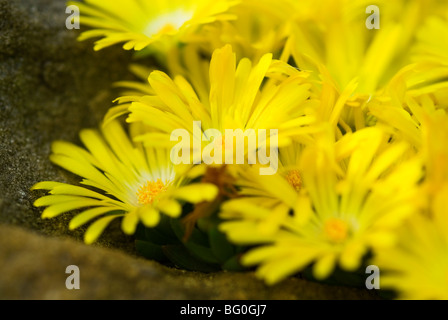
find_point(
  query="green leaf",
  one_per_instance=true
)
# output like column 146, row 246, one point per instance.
column 207, row 223
column 219, row 245
column 140, row 232
column 201, row 252
column 233, row 264
column 165, row 227
column 197, row 236
column 150, row 251
column 181, row 257
column 197, row 243
column 154, row 235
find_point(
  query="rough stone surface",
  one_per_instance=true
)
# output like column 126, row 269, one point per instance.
column 37, row 273
column 52, row 86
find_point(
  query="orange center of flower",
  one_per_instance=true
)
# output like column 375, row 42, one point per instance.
column 149, row 191
column 294, row 179
column 336, row 230
column 168, row 28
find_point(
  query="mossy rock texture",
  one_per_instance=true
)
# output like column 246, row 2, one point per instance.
column 51, row 87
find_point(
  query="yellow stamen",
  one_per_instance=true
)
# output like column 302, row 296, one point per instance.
column 294, row 179
column 336, row 230
column 149, row 191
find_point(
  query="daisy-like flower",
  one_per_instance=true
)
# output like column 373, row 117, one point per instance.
column 417, row 267
column 121, row 179
column 431, row 58
column 140, row 23
column 356, row 61
column 428, row 71
column 358, row 189
column 429, row 47
column 411, row 120
column 260, row 28
column 258, row 195
column 270, row 95
column 340, row 42
column 418, row 90
column 435, row 150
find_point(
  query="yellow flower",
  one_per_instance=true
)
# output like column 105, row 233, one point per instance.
column 429, row 47
column 431, row 59
column 435, row 150
column 142, row 23
column 339, row 42
column 121, row 179
column 411, row 120
column 258, row 195
column 427, row 70
column 338, row 38
column 268, row 95
column 363, row 64
column 419, row 90
column 260, row 28
column 417, row 267
column 358, row 190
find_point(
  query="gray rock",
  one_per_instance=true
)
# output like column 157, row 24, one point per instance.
column 52, row 86
column 35, row 266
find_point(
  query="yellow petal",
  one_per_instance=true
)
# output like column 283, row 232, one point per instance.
column 96, row 228
column 324, row 266
column 197, row 192
column 129, row 222
column 149, row 216
column 66, row 206
column 171, row 208
column 88, row 215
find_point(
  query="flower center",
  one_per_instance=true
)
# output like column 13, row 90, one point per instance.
column 294, row 179
column 167, row 23
column 336, row 230
column 149, row 191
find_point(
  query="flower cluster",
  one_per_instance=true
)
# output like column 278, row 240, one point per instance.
column 360, row 115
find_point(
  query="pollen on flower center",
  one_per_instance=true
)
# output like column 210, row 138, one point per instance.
column 336, row 230
column 294, row 179
column 149, row 191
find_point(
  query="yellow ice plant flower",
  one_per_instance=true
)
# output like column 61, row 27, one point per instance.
column 354, row 60
column 260, row 28
column 339, row 41
column 411, row 119
column 427, row 73
column 429, row 47
column 435, row 151
column 267, row 95
column 418, row 90
column 121, row 179
column 351, row 209
column 417, row 267
column 140, row 23
column 431, row 58
column 282, row 193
